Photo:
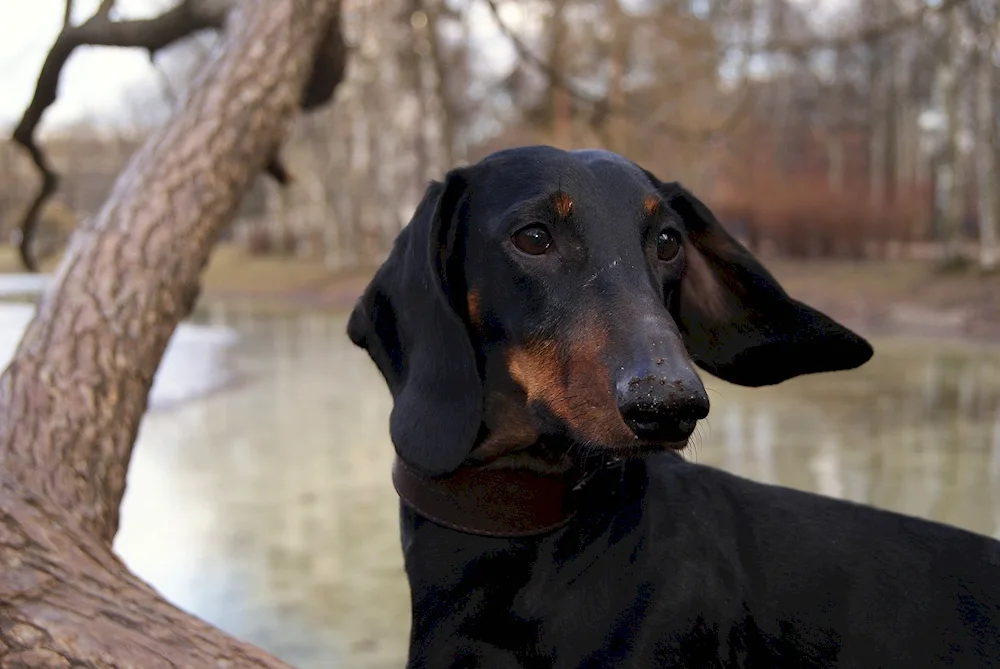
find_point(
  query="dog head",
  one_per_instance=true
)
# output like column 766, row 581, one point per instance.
column 550, row 299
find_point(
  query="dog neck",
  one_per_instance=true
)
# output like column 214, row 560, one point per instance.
column 491, row 502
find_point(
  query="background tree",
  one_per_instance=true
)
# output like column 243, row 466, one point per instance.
column 986, row 28
column 817, row 129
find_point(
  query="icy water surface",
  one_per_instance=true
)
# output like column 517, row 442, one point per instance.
column 266, row 507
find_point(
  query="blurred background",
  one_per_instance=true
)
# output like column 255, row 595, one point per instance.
column 851, row 144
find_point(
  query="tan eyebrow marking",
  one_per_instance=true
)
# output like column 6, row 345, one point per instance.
column 563, row 202
column 651, row 205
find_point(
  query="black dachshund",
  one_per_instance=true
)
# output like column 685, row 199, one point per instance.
column 538, row 323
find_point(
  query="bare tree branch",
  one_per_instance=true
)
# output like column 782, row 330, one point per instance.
column 105, row 8
column 166, row 86
column 187, row 18
column 152, row 34
column 67, row 13
column 328, row 67
column 327, row 72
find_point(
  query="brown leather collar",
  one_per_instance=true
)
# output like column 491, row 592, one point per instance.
column 488, row 502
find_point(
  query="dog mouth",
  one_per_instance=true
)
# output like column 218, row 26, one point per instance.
column 635, row 449
column 641, row 436
column 642, row 447
column 558, row 454
column 654, row 428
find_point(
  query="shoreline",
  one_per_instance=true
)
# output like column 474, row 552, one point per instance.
column 877, row 298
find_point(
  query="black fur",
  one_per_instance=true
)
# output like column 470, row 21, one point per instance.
column 672, row 564
column 666, row 563
column 408, row 324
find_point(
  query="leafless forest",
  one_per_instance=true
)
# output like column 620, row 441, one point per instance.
column 850, row 129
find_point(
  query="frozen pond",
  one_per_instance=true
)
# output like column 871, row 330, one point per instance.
column 266, row 507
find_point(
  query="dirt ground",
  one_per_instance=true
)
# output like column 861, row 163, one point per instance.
column 898, row 297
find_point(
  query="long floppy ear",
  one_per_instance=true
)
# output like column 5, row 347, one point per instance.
column 738, row 323
column 407, row 324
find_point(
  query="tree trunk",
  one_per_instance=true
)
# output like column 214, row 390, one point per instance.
column 950, row 170
column 72, row 398
column 986, row 167
column 785, row 115
column 618, row 62
column 882, row 77
column 877, row 137
column 448, row 122
column 411, row 66
column 891, row 122
column 834, row 132
column 908, row 145
column 561, row 103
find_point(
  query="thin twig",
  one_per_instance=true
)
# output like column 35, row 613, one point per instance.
column 67, row 14
column 104, row 10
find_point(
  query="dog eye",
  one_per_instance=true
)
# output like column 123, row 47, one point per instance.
column 668, row 245
column 533, row 240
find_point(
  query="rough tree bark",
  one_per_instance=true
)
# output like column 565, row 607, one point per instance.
column 72, row 398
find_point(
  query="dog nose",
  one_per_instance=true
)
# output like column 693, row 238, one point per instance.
column 659, row 409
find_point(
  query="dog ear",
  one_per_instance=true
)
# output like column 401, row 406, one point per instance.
column 407, row 323
column 738, row 323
